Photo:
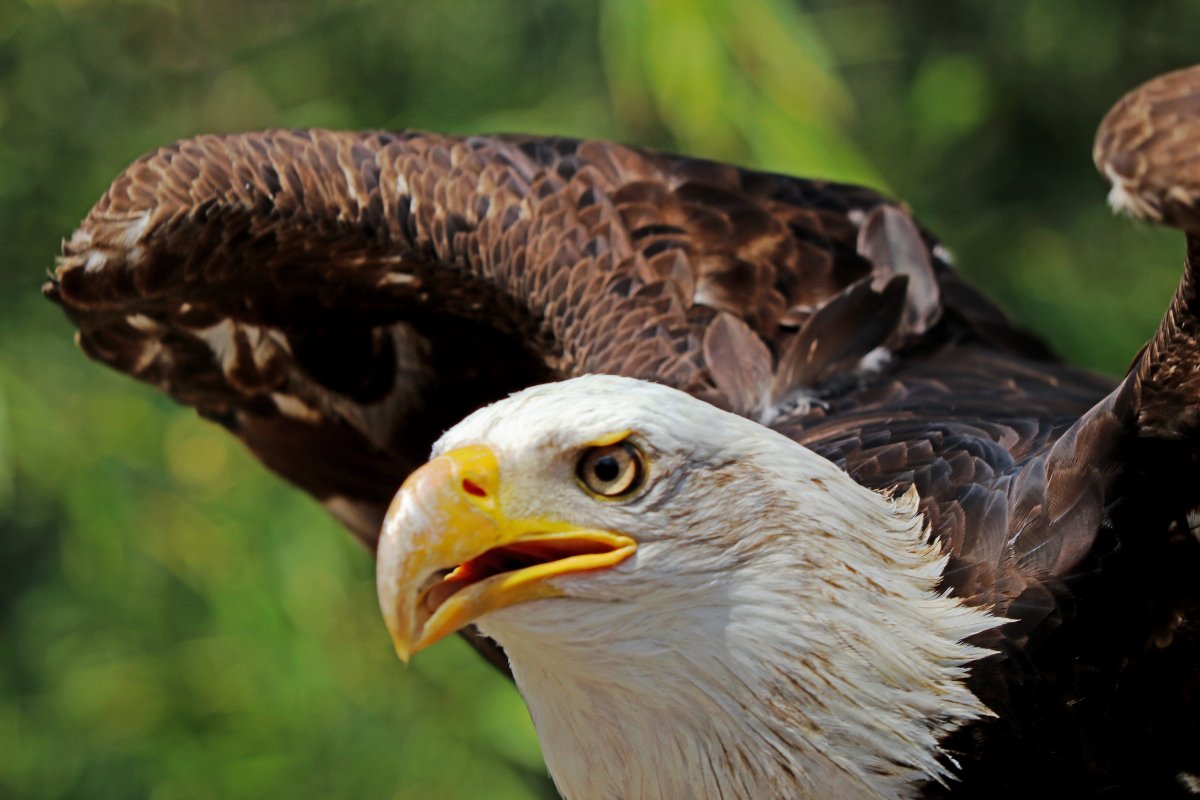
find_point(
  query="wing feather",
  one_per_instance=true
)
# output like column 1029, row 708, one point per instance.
column 363, row 291
column 337, row 300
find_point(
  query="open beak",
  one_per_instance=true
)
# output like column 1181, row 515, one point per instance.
column 448, row 553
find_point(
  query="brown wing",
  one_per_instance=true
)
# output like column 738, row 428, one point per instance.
column 338, row 299
column 1091, row 533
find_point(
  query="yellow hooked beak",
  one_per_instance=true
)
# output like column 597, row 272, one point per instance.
column 449, row 555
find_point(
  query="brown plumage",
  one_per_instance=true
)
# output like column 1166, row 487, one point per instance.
column 336, row 300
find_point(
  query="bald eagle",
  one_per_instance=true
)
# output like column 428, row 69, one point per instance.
column 778, row 505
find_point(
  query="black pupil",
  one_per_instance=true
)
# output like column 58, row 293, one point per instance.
column 606, row 468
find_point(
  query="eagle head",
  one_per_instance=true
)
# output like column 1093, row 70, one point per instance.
column 692, row 604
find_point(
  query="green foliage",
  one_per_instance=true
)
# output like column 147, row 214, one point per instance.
column 177, row 624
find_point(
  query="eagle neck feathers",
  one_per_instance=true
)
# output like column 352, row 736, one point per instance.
column 831, row 669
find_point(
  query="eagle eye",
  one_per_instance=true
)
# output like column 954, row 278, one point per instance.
column 612, row 470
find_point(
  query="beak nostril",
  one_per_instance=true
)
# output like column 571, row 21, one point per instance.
column 472, row 488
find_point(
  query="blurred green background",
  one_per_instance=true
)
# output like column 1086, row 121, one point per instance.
column 174, row 622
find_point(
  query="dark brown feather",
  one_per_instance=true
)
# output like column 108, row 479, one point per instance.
column 889, row 239
column 739, row 362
